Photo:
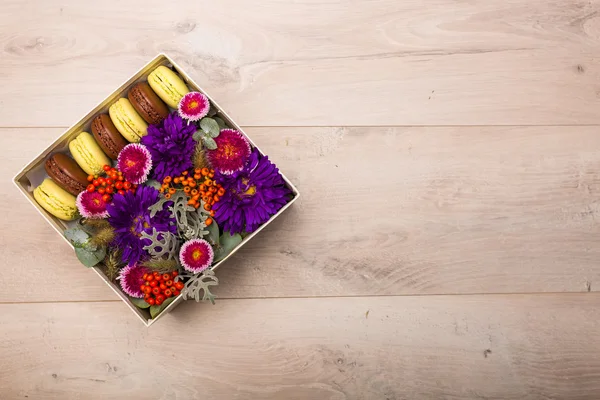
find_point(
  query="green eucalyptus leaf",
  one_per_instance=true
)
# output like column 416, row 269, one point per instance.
column 90, row 258
column 228, row 242
column 139, row 303
column 213, row 233
column 198, row 135
column 210, row 126
column 155, row 310
column 154, row 183
column 89, row 246
column 209, row 143
column 77, row 236
column 221, row 123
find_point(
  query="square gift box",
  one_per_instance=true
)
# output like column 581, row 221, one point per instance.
column 34, row 173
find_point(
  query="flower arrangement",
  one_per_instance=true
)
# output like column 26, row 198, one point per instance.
column 174, row 205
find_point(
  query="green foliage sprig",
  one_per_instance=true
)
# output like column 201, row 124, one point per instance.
column 209, row 129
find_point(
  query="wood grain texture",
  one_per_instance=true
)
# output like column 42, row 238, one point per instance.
column 450, row 347
column 384, row 211
column 342, row 63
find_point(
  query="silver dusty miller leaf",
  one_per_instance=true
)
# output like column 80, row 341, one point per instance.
column 197, row 283
column 162, row 244
column 191, row 222
column 196, row 223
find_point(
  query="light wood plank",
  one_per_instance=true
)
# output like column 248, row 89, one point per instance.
column 382, row 211
column 383, row 62
column 451, row 347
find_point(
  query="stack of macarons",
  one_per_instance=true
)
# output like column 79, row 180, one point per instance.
column 127, row 121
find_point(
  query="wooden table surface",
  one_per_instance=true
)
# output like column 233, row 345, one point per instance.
column 446, row 242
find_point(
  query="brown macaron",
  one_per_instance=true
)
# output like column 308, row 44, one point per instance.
column 66, row 173
column 107, row 136
column 147, row 103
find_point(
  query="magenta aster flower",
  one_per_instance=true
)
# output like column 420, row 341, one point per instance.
column 231, row 153
column 196, row 255
column 193, row 106
column 171, row 145
column 129, row 216
column 252, row 195
column 131, row 279
column 91, row 205
column 135, row 162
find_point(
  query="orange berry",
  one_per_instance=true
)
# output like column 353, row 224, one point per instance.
column 212, row 189
column 212, row 213
column 207, row 207
column 162, row 190
column 185, row 183
column 208, row 221
column 176, row 180
column 172, row 190
column 167, row 195
column 202, row 187
column 184, row 173
column 196, row 205
column 194, row 192
column 198, row 170
column 204, row 171
column 191, row 202
column 221, row 192
column 168, row 179
column 197, row 176
column 187, row 189
column 192, row 183
column 166, row 277
column 211, row 175
column 196, row 197
column 216, row 198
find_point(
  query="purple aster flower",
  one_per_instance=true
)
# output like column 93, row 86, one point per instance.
column 196, row 255
column 135, row 162
column 193, row 106
column 232, row 152
column 131, row 279
column 129, row 216
column 171, row 145
column 252, row 195
column 91, row 205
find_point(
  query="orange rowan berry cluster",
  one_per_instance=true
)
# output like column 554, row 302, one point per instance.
column 199, row 186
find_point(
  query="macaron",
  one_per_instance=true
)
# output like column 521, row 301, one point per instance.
column 66, row 173
column 147, row 103
column 167, row 85
column 107, row 136
column 88, row 154
column 56, row 200
column 127, row 120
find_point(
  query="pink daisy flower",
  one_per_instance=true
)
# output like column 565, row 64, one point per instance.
column 91, row 205
column 131, row 279
column 135, row 162
column 196, row 255
column 231, row 154
column 193, row 106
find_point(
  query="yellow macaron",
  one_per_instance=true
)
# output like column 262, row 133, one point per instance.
column 128, row 122
column 88, row 154
column 167, row 85
column 56, row 200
